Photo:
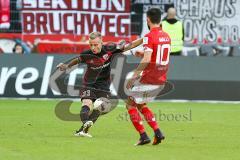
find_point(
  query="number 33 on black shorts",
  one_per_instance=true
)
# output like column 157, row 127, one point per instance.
column 93, row 94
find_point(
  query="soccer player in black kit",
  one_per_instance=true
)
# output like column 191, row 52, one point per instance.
column 96, row 80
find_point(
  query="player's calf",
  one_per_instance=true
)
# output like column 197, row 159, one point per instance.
column 137, row 123
column 86, row 108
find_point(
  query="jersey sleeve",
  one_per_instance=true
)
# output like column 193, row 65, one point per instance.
column 84, row 56
column 80, row 59
column 147, row 43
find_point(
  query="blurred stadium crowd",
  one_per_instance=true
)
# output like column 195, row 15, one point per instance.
column 197, row 27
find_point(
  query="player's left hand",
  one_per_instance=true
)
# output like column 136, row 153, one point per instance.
column 62, row 66
column 121, row 44
column 133, row 79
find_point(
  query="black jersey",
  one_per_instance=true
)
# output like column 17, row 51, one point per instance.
column 98, row 70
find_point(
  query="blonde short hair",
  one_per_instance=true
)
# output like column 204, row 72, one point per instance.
column 94, row 35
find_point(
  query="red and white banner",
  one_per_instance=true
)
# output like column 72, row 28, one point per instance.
column 4, row 14
column 110, row 17
column 49, row 44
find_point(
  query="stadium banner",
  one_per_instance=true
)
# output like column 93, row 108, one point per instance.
column 205, row 21
column 4, row 14
column 48, row 44
column 30, row 76
column 110, row 17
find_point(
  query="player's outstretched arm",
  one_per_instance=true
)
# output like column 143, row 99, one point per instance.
column 132, row 45
column 63, row 66
column 144, row 63
column 127, row 48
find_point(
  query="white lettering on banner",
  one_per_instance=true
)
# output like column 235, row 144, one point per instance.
column 46, row 75
column 56, row 22
column 74, row 4
column 210, row 20
column 5, row 75
column 29, row 4
column 117, row 5
column 23, row 78
column 110, row 17
column 46, row 4
column 101, row 5
column 205, row 21
column 58, row 4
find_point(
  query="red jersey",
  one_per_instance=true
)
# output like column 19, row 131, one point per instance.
column 159, row 43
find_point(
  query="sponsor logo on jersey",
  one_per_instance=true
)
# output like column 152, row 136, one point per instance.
column 101, row 67
column 105, row 56
column 145, row 40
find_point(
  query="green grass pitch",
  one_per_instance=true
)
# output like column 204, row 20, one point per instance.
column 30, row 130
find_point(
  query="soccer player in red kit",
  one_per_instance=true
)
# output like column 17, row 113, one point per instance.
column 149, row 78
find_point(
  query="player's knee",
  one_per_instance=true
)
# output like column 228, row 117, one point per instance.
column 130, row 103
column 87, row 102
column 128, row 106
column 140, row 106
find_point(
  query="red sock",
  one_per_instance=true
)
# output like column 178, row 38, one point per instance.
column 149, row 117
column 136, row 120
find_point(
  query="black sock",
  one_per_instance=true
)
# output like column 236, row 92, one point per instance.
column 144, row 135
column 158, row 133
column 94, row 116
column 80, row 129
column 84, row 114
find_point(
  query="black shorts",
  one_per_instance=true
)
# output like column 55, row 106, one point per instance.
column 93, row 93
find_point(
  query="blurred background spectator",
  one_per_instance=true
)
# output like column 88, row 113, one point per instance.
column 18, row 49
column 9, row 46
column 175, row 30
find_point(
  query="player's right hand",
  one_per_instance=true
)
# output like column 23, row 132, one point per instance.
column 62, row 66
column 139, row 54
